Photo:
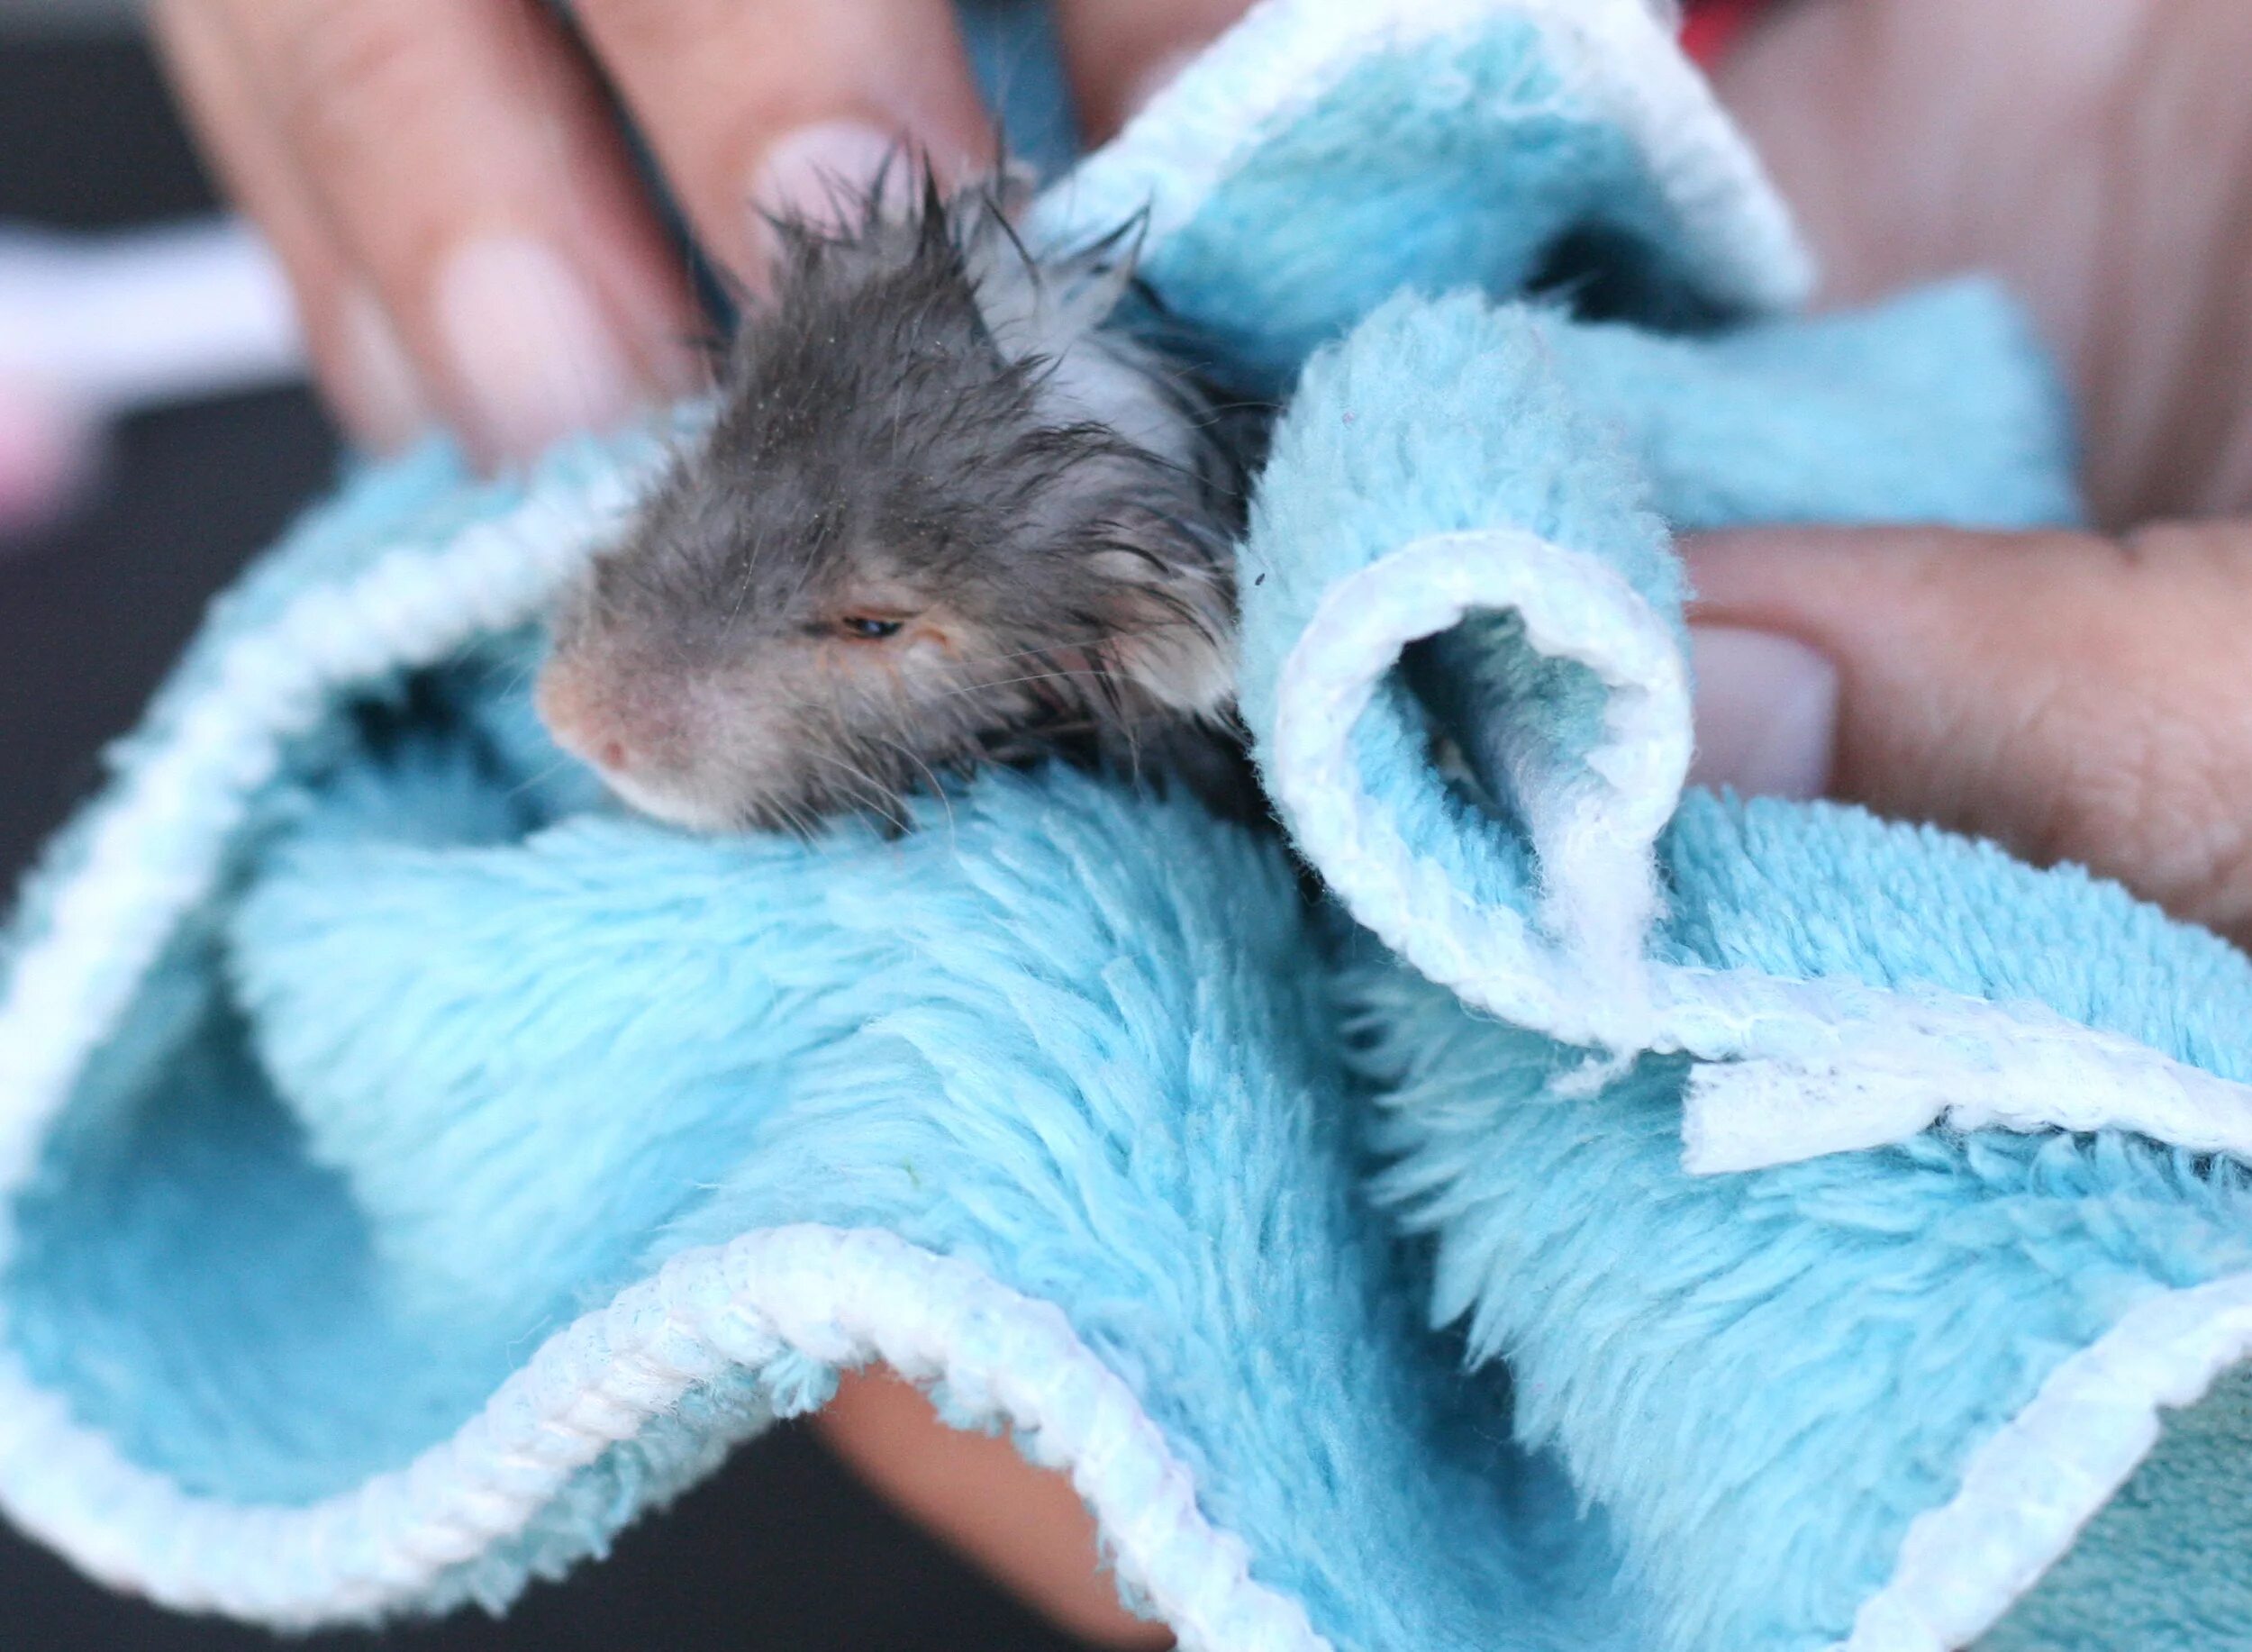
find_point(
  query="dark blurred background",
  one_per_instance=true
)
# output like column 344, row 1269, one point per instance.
column 783, row 1550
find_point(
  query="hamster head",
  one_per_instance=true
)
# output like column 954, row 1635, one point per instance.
column 939, row 518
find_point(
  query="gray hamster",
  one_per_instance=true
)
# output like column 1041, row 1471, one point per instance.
column 951, row 511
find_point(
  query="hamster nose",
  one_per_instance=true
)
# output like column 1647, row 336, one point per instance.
column 581, row 720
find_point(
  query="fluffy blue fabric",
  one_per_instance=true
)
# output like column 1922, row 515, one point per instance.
column 415, row 1168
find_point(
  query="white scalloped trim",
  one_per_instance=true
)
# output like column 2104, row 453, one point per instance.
column 2032, row 1486
column 154, row 851
column 1881, row 1067
column 1286, row 54
column 156, row 845
column 1789, row 1069
column 1599, row 871
column 843, row 1297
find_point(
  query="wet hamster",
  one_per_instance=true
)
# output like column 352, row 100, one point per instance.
column 951, row 511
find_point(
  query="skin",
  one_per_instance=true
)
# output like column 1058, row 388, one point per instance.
column 2079, row 697
column 375, row 139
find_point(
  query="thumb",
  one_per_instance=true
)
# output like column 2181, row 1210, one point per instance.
column 2073, row 697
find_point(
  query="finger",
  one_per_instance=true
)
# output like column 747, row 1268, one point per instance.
column 460, row 155
column 2072, row 697
column 1121, row 52
column 1023, row 1525
column 776, row 104
column 357, row 356
column 2112, row 143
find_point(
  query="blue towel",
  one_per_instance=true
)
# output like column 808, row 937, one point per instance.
column 1610, row 1218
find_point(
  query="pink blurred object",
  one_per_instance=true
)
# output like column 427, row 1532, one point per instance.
column 96, row 326
column 47, row 454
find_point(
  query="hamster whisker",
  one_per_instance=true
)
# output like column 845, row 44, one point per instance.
column 547, row 771
column 936, row 789
column 1067, row 674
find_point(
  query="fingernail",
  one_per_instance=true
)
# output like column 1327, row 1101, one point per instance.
column 821, row 172
column 534, row 358
column 1766, row 711
column 381, row 397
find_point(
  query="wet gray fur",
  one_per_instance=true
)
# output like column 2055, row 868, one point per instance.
column 951, row 511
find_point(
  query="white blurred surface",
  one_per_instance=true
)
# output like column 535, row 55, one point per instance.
column 93, row 326
column 138, row 317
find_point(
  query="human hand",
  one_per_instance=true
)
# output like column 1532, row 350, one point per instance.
column 454, row 199
column 2075, row 697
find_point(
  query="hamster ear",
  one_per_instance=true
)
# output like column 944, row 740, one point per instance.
column 1047, row 298
column 1171, row 635
column 1087, row 283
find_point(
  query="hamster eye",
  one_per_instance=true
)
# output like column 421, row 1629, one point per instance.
column 864, row 630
